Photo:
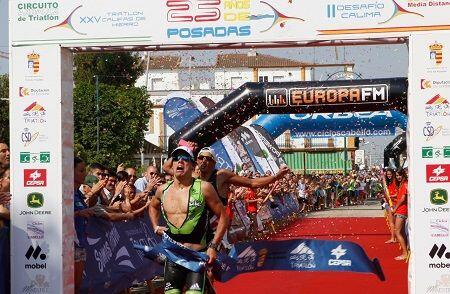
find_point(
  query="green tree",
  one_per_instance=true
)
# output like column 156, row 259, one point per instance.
column 123, row 116
column 124, row 110
column 121, row 68
column 4, row 108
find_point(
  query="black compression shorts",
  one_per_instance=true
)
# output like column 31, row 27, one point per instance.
column 177, row 277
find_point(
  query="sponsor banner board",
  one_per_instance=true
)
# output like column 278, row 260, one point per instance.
column 323, row 125
column 112, row 264
column 36, row 208
column 429, row 159
column 172, row 22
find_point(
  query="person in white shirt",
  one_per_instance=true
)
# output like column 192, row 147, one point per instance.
column 149, row 182
column 301, row 190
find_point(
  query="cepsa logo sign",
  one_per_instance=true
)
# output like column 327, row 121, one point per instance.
column 342, row 95
column 35, row 178
column 438, row 173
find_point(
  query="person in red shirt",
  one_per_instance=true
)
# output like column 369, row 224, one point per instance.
column 391, row 198
column 251, row 204
column 400, row 210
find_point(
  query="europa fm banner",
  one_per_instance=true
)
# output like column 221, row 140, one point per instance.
column 37, row 175
column 429, row 157
column 168, row 22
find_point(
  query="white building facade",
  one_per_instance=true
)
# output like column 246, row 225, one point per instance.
column 164, row 77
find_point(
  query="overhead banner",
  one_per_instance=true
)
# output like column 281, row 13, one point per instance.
column 303, row 97
column 429, row 160
column 321, row 125
column 170, row 22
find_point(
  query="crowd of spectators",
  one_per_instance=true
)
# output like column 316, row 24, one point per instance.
column 117, row 194
column 5, row 197
column 312, row 192
column 112, row 194
column 315, row 192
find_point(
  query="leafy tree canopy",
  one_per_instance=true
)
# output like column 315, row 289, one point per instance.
column 118, row 69
column 124, row 110
column 123, row 117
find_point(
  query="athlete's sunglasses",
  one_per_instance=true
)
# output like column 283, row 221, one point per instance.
column 208, row 158
column 182, row 157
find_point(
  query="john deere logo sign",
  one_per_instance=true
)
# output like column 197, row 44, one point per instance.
column 438, row 196
column 35, row 200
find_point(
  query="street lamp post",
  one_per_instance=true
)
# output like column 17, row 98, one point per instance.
column 97, row 107
column 345, row 155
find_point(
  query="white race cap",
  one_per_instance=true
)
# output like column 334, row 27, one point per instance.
column 209, row 152
column 183, row 149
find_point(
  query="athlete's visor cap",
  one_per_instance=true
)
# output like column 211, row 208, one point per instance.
column 182, row 150
column 207, row 152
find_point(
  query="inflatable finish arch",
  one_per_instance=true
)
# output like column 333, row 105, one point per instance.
column 317, row 125
column 292, row 97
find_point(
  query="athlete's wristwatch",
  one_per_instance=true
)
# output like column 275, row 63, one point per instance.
column 213, row 246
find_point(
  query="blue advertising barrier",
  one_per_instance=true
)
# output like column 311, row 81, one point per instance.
column 178, row 112
column 5, row 276
column 316, row 125
column 112, row 264
column 290, row 255
column 292, row 203
column 283, row 206
column 251, row 146
column 277, row 209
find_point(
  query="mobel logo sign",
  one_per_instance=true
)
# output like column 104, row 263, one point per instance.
column 440, row 253
column 37, row 255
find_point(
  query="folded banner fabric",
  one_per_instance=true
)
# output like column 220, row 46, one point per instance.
column 112, row 264
column 291, row 255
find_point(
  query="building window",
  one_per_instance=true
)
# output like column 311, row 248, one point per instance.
column 151, row 125
column 263, row 79
column 236, row 82
column 157, row 84
column 278, row 79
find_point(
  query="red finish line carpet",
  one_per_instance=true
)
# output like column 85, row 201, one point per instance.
column 370, row 233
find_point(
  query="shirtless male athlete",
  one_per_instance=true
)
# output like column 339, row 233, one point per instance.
column 222, row 179
column 185, row 203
